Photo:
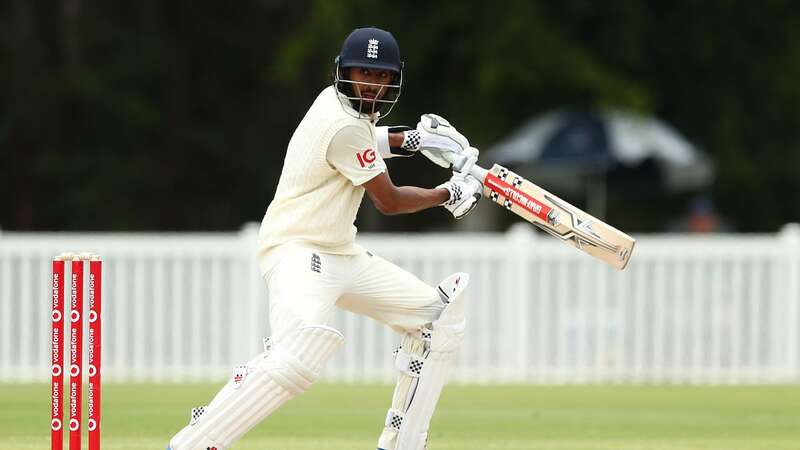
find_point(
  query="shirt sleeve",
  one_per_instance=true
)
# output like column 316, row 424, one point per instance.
column 352, row 152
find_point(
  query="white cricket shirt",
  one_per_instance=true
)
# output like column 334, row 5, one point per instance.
column 330, row 155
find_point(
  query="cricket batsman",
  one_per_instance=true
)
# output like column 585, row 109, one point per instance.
column 312, row 264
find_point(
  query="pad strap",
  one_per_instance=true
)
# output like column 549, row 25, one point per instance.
column 407, row 363
column 394, row 419
column 196, row 413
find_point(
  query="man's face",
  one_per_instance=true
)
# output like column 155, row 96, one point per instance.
column 368, row 92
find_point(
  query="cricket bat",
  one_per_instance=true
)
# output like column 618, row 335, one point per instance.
column 552, row 214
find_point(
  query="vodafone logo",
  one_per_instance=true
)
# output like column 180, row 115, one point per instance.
column 55, row 424
column 74, row 425
column 366, row 158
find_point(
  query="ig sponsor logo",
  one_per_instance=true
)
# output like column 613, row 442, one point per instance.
column 366, row 159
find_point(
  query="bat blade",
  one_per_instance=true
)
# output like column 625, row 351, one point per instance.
column 557, row 217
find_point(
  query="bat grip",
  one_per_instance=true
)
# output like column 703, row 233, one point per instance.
column 464, row 164
column 478, row 172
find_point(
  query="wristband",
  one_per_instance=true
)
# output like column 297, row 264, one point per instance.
column 410, row 140
column 382, row 138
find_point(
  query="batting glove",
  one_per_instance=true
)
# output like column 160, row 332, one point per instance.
column 465, row 191
column 438, row 140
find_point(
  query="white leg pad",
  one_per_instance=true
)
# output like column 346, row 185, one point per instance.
column 424, row 359
column 260, row 388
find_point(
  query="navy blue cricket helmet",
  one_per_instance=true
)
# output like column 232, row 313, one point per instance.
column 371, row 48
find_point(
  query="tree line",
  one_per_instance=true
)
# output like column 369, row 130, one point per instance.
column 155, row 115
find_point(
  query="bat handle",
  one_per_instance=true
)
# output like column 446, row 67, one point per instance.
column 464, row 164
column 478, row 172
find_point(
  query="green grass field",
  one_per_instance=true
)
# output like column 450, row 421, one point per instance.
column 347, row 417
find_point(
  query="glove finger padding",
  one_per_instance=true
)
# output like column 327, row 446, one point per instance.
column 466, row 207
column 438, row 156
column 438, row 125
column 465, row 191
column 440, row 141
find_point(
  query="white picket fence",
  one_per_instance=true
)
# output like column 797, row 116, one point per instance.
column 716, row 309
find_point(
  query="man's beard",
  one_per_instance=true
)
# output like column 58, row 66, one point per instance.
column 367, row 105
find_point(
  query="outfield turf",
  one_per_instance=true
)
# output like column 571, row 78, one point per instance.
column 347, row 417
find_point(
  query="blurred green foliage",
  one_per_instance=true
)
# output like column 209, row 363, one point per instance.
column 175, row 115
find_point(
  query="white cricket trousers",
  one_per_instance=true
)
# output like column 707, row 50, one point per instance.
column 306, row 284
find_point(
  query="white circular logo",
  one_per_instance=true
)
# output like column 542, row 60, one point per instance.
column 74, row 370
column 56, row 316
column 92, row 370
column 92, row 316
column 74, row 425
column 55, row 425
column 56, row 370
column 91, row 424
column 75, row 315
